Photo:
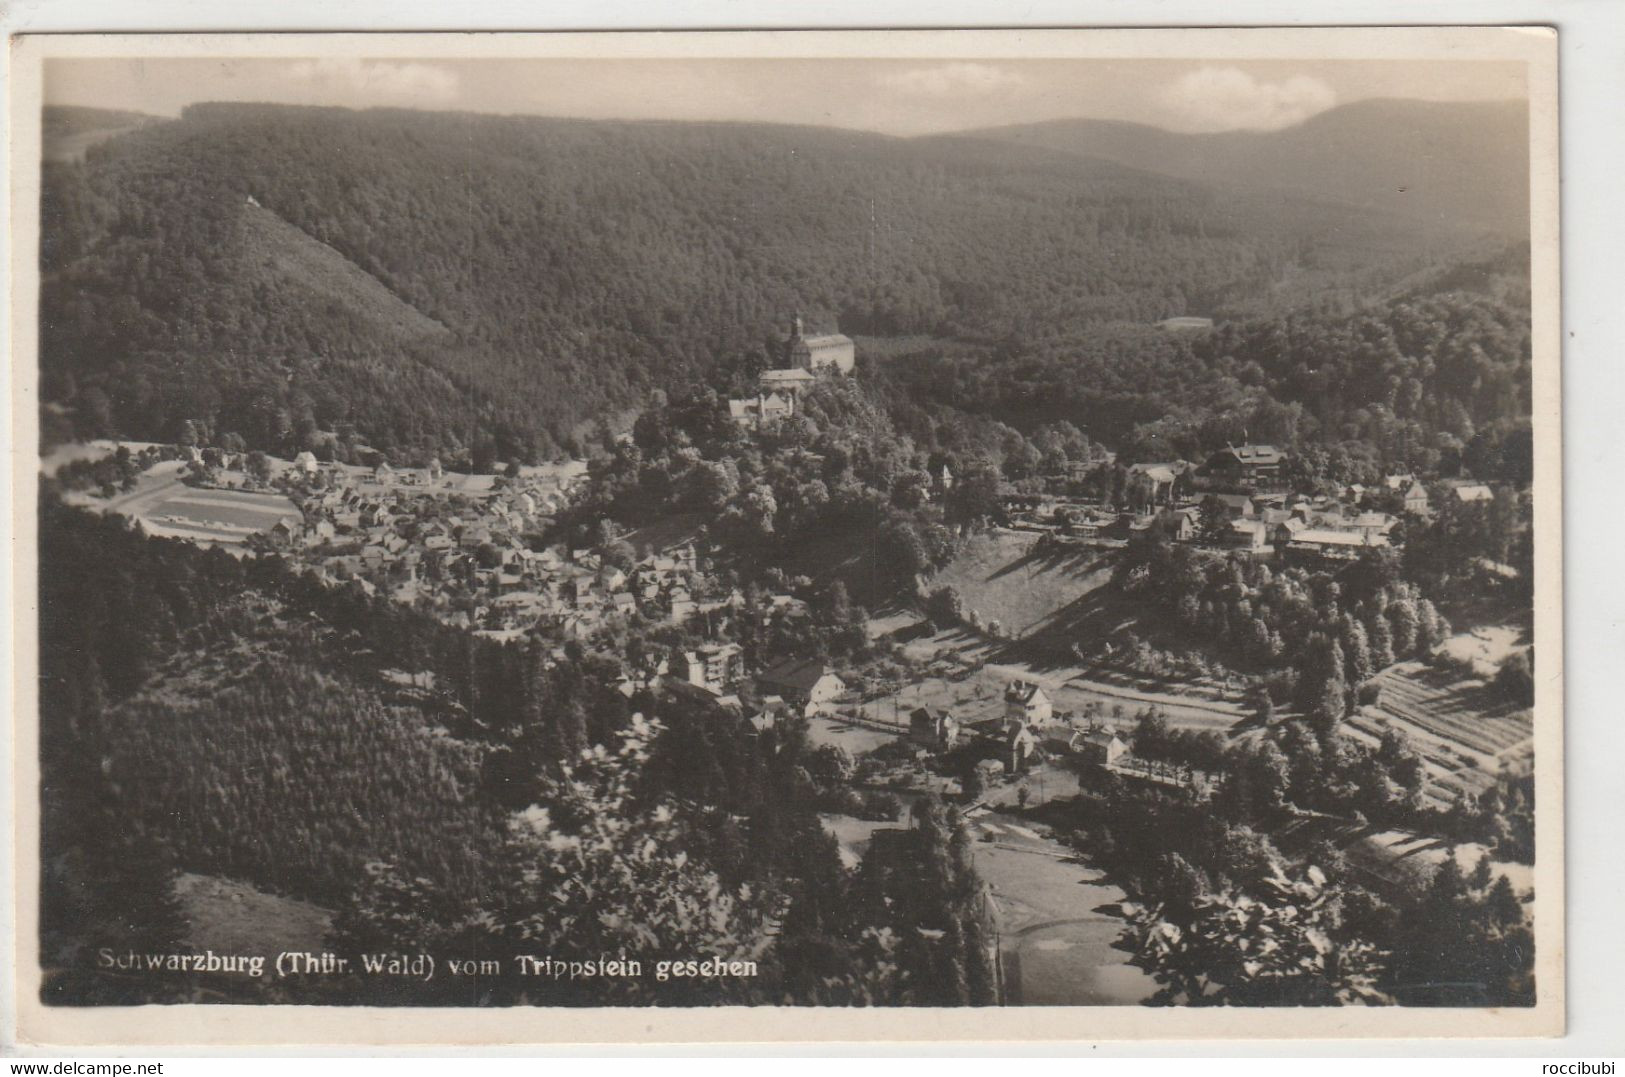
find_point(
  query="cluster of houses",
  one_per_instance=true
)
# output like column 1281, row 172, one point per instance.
column 1318, row 527
column 468, row 559
column 1014, row 739
column 1259, row 523
column 1259, row 516
column 713, row 673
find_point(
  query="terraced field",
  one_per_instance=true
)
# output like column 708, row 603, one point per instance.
column 1463, row 730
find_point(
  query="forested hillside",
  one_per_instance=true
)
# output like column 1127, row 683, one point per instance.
column 1416, row 381
column 575, row 265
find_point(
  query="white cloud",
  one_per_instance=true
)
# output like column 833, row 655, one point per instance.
column 380, row 81
column 1226, row 98
column 953, row 79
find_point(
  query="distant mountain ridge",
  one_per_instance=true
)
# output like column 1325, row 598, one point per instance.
column 1459, row 163
column 66, row 131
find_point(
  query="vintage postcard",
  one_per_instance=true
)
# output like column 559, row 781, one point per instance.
column 834, row 536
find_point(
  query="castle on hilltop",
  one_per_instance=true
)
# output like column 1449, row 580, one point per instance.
column 801, row 357
column 802, row 352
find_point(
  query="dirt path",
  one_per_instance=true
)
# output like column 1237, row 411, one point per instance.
column 150, row 487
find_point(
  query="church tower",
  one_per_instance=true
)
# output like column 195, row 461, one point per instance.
column 796, row 354
column 817, row 352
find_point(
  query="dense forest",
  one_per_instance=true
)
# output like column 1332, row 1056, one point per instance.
column 480, row 286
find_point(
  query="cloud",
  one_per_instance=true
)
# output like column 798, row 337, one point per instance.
column 1226, row 98
column 953, row 80
column 380, row 80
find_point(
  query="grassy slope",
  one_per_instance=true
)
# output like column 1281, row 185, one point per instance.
column 280, row 250
column 1040, row 599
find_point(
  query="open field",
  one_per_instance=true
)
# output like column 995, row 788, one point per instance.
column 213, row 515
column 971, row 700
column 562, row 472
column 1486, row 646
column 230, row 509
column 280, row 250
column 169, row 508
column 666, row 533
column 856, row 739
column 70, row 143
column 1047, row 604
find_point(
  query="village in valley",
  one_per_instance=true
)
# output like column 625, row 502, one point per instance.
column 960, row 706
column 1018, row 560
column 472, row 551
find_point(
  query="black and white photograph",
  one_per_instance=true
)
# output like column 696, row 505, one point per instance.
column 841, row 522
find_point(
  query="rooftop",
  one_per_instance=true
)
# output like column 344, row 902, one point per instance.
column 797, row 673
column 1254, row 454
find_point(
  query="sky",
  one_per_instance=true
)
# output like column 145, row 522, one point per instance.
column 897, row 97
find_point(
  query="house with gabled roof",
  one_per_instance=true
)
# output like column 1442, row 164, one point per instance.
column 1246, row 464
column 933, row 728
column 1155, row 482
column 1101, row 747
column 1334, row 545
column 1181, row 525
column 1027, row 703
column 1237, row 506
column 805, row 682
column 772, row 403
column 1416, row 498
column 1247, row 534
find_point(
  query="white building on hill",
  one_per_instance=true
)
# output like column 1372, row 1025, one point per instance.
column 831, row 350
